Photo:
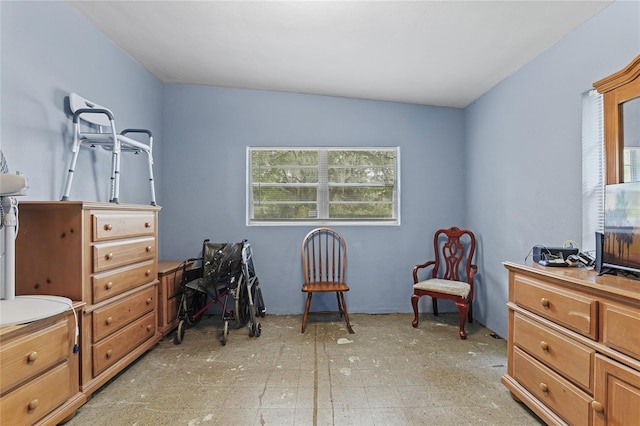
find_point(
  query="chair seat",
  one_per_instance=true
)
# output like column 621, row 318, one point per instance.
column 455, row 288
column 327, row 286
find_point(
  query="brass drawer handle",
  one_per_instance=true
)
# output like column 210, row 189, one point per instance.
column 597, row 407
column 33, row 404
column 149, row 301
column 544, row 345
column 109, row 354
column 148, row 272
column 147, row 224
column 31, row 358
column 108, row 321
column 544, row 388
column 544, row 302
column 108, row 285
column 108, row 256
column 149, row 327
column 148, row 249
column 108, row 227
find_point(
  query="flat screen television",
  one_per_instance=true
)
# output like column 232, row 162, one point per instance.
column 621, row 244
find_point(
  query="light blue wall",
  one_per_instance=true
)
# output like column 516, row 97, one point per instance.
column 207, row 130
column 49, row 50
column 524, row 150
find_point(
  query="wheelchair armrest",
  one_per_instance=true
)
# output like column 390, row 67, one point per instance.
column 421, row 266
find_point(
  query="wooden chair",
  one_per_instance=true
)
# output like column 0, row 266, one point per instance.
column 324, row 261
column 451, row 274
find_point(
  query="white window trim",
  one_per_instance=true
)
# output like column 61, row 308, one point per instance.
column 322, row 222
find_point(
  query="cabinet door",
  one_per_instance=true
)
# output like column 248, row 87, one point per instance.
column 617, row 395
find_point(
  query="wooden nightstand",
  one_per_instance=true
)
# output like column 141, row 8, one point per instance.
column 169, row 275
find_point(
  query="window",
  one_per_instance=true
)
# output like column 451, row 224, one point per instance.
column 323, row 186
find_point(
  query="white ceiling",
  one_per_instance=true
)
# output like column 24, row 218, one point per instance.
column 445, row 53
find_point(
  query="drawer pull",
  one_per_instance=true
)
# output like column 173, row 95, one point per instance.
column 148, row 249
column 148, row 272
column 544, row 302
column 108, row 321
column 597, row 407
column 149, row 301
column 544, row 345
column 108, row 285
column 33, row 404
column 31, row 358
column 149, row 327
column 108, row 256
column 109, row 354
column 544, row 388
column 147, row 224
column 108, row 227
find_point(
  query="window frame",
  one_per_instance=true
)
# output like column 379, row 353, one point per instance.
column 322, row 191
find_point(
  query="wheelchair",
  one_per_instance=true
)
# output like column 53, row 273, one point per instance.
column 224, row 276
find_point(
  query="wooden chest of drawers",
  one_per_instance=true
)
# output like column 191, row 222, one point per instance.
column 105, row 255
column 39, row 372
column 574, row 345
column 170, row 276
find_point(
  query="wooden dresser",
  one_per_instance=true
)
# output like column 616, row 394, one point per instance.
column 105, row 255
column 574, row 345
column 39, row 371
column 170, row 276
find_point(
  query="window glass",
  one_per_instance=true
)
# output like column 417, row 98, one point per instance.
column 323, row 185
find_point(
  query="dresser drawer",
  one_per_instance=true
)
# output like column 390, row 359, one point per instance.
column 575, row 311
column 109, row 319
column 110, row 283
column 115, row 347
column 37, row 398
column 32, row 354
column 621, row 329
column 566, row 400
column 566, row 356
column 110, row 226
column 113, row 254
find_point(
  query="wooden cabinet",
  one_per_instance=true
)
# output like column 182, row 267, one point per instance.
column 170, row 276
column 574, row 345
column 39, row 371
column 104, row 254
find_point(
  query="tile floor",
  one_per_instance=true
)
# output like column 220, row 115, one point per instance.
column 387, row 373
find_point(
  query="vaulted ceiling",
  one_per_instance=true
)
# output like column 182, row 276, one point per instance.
column 445, row 53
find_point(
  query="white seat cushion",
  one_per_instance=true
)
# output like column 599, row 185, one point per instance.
column 456, row 288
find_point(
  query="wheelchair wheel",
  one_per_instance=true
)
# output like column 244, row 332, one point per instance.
column 261, row 309
column 225, row 333
column 195, row 302
column 242, row 310
column 255, row 330
column 177, row 339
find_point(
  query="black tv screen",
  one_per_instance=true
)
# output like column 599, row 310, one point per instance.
column 621, row 245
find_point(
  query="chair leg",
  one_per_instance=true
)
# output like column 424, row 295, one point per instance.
column 115, row 175
column 470, row 315
column 434, row 302
column 346, row 314
column 340, row 310
column 414, row 303
column 67, row 186
column 151, row 184
column 463, row 307
column 306, row 311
